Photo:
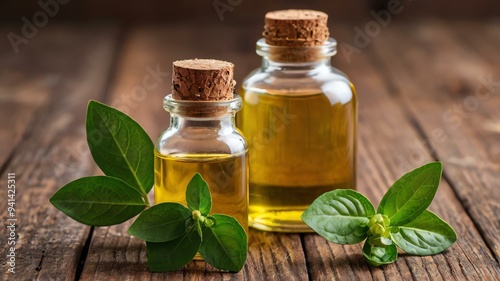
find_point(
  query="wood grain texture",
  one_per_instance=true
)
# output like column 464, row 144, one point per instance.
column 386, row 136
column 115, row 255
column 448, row 93
column 407, row 77
column 50, row 243
column 26, row 83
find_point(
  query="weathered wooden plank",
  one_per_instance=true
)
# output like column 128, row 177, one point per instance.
column 386, row 136
column 113, row 254
column 457, row 123
column 483, row 39
column 53, row 151
column 481, row 36
column 25, row 84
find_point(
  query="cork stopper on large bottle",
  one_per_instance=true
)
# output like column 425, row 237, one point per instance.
column 202, row 80
column 296, row 28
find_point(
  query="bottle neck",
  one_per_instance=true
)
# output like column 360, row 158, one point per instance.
column 202, row 117
column 271, row 65
column 221, row 125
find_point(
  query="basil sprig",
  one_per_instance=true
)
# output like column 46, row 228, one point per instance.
column 173, row 240
column 344, row 216
column 173, row 233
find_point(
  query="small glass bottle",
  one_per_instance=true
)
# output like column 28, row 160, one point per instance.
column 299, row 118
column 202, row 138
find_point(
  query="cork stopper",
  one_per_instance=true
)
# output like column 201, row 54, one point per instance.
column 296, row 28
column 202, row 80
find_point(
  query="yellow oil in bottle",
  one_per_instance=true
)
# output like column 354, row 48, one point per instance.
column 302, row 145
column 225, row 174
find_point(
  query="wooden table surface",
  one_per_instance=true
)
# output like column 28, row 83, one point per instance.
column 428, row 90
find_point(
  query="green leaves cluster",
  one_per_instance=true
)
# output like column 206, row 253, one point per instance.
column 347, row 217
column 173, row 233
column 124, row 152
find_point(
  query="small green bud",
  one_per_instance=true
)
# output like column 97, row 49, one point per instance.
column 197, row 215
column 376, row 219
column 386, row 220
column 209, row 222
column 377, row 229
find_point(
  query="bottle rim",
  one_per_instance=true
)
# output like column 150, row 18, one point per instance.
column 202, row 108
column 328, row 49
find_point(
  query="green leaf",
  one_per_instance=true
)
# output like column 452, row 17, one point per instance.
column 225, row 244
column 379, row 241
column 426, row 235
column 174, row 254
column 160, row 223
column 340, row 216
column 198, row 195
column 98, row 201
column 120, row 146
column 198, row 229
column 409, row 196
column 377, row 256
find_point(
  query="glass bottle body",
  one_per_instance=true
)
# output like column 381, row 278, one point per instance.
column 202, row 138
column 299, row 119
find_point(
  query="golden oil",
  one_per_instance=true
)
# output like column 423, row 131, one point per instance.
column 302, row 144
column 299, row 118
column 225, row 174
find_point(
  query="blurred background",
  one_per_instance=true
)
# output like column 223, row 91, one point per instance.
column 213, row 20
column 54, row 41
column 56, row 50
column 244, row 11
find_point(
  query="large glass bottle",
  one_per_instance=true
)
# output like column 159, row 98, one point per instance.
column 299, row 118
column 202, row 138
